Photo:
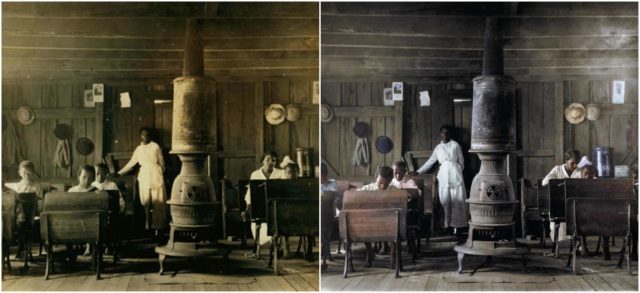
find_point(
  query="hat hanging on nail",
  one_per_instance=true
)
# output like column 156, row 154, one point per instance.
column 293, row 113
column 362, row 129
column 326, row 113
column 275, row 114
column 575, row 113
column 593, row 112
column 25, row 115
column 384, row 144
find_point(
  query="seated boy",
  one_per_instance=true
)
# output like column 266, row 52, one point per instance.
column 102, row 184
column 27, row 184
column 383, row 180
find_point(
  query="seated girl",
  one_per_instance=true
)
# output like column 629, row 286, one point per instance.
column 86, row 175
column 27, row 184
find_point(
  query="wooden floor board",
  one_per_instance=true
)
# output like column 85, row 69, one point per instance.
column 435, row 271
column 140, row 274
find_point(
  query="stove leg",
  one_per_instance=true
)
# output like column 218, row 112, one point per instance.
column 488, row 261
column 161, row 258
column 460, row 257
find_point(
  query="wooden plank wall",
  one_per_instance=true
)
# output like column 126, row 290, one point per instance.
column 37, row 139
column 240, row 142
column 420, row 125
column 538, row 137
column 541, row 140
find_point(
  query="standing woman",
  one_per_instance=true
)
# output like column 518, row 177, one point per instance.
column 153, row 196
column 451, row 189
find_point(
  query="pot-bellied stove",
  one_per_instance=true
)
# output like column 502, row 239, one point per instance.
column 492, row 200
column 193, row 199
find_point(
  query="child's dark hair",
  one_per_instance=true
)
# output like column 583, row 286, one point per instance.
column 89, row 170
column 400, row 164
column 27, row 165
column 269, row 153
column 101, row 166
column 572, row 154
column 385, row 172
column 148, row 129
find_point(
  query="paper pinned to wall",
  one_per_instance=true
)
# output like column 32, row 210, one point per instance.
column 98, row 92
column 425, row 100
column 88, row 99
column 397, row 90
column 125, row 100
column 388, row 97
column 316, row 93
column 618, row 92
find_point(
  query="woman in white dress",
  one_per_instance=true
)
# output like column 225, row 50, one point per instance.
column 153, row 195
column 451, row 189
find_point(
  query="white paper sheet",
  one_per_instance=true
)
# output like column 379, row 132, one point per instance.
column 618, row 92
column 125, row 100
column 98, row 92
column 88, row 99
column 388, row 97
column 425, row 100
column 397, row 90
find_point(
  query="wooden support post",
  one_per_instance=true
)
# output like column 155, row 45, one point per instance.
column 99, row 132
column 397, row 131
column 559, row 125
column 259, row 109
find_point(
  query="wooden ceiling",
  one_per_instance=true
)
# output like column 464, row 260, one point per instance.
column 545, row 41
column 143, row 41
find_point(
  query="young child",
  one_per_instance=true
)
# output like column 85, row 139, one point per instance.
column 383, row 180
column 86, row 175
column 399, row 179
column 101, row 183
column 27, row 172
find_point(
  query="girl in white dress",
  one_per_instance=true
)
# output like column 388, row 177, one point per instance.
column 266, row 171
column 153, row 196
column 451, row 189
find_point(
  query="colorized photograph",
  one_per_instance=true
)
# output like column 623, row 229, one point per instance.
column 479, row 146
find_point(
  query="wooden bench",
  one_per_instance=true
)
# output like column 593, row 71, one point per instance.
column 74, row 218
column 601, row 217
column 9, row 225
column 560, row 190
column 370, row 216
column 428, row 184
column 263, row 190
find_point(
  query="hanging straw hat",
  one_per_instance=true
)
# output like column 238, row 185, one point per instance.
column 384, row 144
column 275, row 114
column 593, row 112
column 25, row 115
column 326, row 113
column 575, row 113
column 293, row 113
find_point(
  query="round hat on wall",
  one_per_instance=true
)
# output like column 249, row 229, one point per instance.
column 293, row 113
column 593, row 112
column 84, row 146
column 25, row 115
column 384, row 144
column 575, row 113
column 326, row 113
column 362, row 129
column 275, row 114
